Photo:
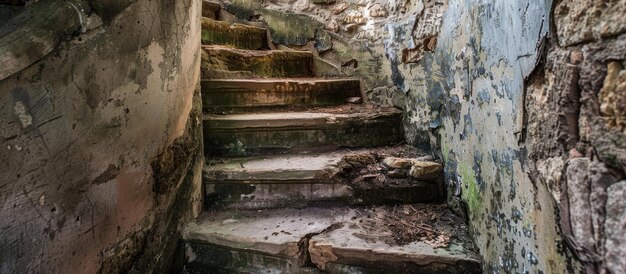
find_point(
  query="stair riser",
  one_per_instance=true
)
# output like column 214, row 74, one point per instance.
column 220, row 64
column 209, row 258
column 236, row 36
column 380, row 131
column 233, row 97
column 404, row 268
column 278, row 195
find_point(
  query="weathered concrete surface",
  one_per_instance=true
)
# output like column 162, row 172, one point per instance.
column 235, row 35
column 99, row 146
column 33, row 33
column 282, row 132
column 250, row 95
column 509, row 93
column 359, row 242
column 221, row 62
column 236, row 195
column 292, row 168
column 295, row 180
column 257, row 241
column 463, row 73
column 336, row 239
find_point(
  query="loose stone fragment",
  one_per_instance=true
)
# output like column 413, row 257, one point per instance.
column 425, row 170
column 398, row 163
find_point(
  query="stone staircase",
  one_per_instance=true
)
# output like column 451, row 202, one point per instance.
column 303, row 177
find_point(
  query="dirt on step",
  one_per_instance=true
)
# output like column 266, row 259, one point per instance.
column 432, row 224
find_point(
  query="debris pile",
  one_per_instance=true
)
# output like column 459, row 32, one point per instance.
column 428, row 223
column 394, row 166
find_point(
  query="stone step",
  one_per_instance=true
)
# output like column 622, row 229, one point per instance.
column 211, row 9
column 219, row 62
column 285, row 132
column 236, row 35
column 234, row 95
column 297, row 180
column 334, row 240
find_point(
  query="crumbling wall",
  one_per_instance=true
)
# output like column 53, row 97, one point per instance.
column 100, row 144
column 576, row 129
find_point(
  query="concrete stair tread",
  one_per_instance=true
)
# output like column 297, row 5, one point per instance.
column 254, row 95
column 316, row 129
column 235, row 35
column 221, row 62
column 318, row 117
column 276, row 168
column 257, row 53
column 336, row 239
column 298, row 180
column 297, row 80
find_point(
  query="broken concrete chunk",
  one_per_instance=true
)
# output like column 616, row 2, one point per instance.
column 425, row 170
column 321, row 254
column 398, row 163
column 615, row 228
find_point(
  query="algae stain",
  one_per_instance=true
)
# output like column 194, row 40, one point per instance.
column 471, row 191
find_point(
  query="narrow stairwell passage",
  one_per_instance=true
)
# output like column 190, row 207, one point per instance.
column 302, row 176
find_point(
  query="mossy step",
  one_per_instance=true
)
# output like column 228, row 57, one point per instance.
column 232, row 96
column 220, row 62
column 284, row 132
column 211, row 9
column 297, row 180
column 236, row 35
column 335, row 240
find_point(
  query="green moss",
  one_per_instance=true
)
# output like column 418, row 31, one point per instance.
column 471, row 192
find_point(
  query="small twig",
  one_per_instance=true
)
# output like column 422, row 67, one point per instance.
column 425, row 228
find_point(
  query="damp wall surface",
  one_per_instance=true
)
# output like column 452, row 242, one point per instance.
column 100, row 144
column 472, row 101
column 522, row 100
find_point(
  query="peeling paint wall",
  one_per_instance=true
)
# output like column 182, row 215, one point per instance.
column 100, row 145
column 473, row 88
column 522, row 99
